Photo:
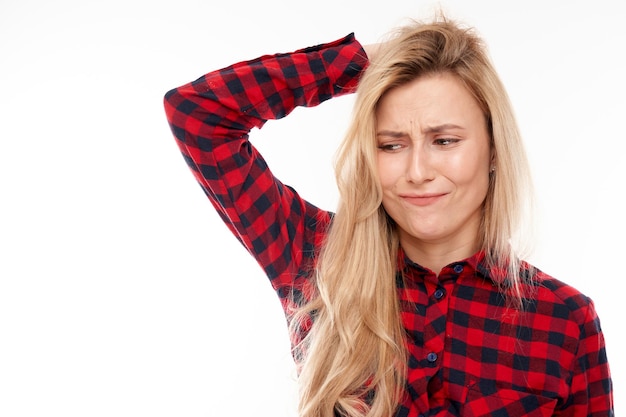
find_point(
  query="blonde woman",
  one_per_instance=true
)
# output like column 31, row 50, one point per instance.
column 410, row 299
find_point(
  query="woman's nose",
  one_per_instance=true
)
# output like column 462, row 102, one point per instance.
column 419, row 169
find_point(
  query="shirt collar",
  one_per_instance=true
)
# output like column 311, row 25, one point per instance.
column 475, row 263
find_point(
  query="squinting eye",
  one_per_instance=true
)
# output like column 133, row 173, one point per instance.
column 389, row 147
column 445, row 141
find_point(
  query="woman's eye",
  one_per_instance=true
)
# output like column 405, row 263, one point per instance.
column 446, row 141
column 389, row 147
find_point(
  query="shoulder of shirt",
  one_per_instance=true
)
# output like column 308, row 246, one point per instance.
column 556, row 291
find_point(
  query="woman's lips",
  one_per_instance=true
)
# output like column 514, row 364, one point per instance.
column 423, row 199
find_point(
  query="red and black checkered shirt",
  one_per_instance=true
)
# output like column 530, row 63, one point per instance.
column 468, row 354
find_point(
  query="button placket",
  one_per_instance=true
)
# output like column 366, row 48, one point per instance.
column 432, row 357
column 439, row 294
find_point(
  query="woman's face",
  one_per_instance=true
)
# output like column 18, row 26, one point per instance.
column 434, row 159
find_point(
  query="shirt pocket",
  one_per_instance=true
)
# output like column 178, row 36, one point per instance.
column 507, row 402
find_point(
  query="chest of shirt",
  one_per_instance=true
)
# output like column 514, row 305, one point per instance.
column 464, row 342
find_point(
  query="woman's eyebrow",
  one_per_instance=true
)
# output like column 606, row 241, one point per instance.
column 391, row 133
column 441, row 128
column 429, row 129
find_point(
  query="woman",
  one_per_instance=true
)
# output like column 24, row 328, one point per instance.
column 410, row 300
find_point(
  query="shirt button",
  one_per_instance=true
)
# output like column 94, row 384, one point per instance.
column 458, row 268
column 439, row 294
column 431, row 357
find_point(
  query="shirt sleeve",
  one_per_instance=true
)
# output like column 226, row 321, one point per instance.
column 591, row 385
column 211, row 119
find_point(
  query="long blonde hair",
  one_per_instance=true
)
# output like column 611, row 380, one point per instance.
column 352, row 362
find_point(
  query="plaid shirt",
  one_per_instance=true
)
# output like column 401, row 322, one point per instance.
column 468, row 354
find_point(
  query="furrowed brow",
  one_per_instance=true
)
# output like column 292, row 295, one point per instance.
column 390, row 134
column 442, row 128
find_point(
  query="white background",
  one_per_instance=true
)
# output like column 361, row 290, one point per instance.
column 123, row 294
